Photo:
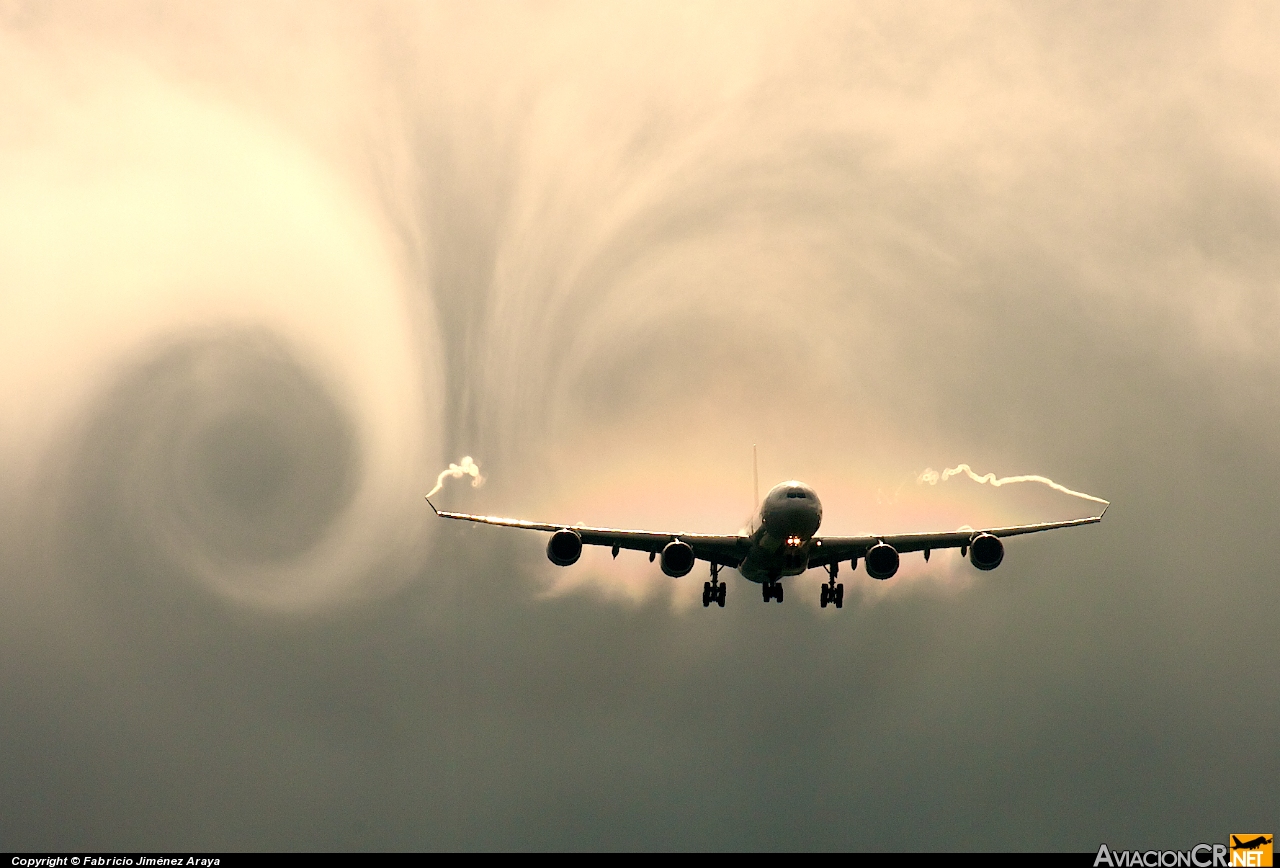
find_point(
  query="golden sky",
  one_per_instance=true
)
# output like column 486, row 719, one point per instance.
column 266, row 268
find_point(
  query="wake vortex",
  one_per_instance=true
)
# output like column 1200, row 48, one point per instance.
column 932, row 477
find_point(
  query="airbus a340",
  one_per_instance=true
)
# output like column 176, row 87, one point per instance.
column 783, row 541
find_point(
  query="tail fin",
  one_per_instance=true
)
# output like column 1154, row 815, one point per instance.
column 755, row 477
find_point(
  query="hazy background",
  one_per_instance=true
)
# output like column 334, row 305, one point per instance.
column 266, row 268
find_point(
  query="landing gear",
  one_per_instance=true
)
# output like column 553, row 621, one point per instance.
column 771, row 591
column 713, row 591
column 831, row 592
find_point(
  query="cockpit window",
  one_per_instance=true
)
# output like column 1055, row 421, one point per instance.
column 795, row 494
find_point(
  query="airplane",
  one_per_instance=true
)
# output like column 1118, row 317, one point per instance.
column 1251, row 844
column 783, row 542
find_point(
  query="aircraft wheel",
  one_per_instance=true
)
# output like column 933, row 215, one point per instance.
column 777, row 593
column 825, row 597
column 720, row 595
column 839, row 596
column 706, row 594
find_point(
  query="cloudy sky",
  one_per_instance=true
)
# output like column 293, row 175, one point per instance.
column 265, row 268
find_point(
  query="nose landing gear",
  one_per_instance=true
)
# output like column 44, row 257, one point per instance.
column 831, row 592
column 713, row 591
column 771, row 591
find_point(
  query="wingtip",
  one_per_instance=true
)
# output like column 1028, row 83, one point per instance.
column 1104, row 511
column 432, row 505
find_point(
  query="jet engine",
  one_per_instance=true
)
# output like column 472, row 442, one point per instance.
column 882, row 561
column 564, row 548
column 986, row 551
column 677, row 559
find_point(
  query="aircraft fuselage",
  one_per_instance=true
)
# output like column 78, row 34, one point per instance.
column 782, row 533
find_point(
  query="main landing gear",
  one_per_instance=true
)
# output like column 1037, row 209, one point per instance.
column 771, row 591
column 831, row 592
column 713, row 591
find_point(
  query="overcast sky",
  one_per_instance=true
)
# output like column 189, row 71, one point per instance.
column 266, row 268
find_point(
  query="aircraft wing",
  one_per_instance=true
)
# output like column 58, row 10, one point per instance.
column 724, row 550
column 841, row 548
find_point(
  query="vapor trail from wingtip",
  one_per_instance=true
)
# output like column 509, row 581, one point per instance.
column 932, row 477
column 457, row 471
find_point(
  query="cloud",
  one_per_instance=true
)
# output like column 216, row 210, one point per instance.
column 262, row 272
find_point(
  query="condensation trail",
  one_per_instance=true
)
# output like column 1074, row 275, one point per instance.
column 932, row 477
column 457, row 471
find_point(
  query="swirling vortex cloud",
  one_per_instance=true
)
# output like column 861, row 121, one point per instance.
column 211, row 348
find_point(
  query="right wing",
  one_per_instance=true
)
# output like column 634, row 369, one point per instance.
column 830, row 549
column 727, row 551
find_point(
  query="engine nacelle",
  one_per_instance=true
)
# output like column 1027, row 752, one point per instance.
column 677, row 559
column 564, row 548
column 882, row 561
column 986, row 551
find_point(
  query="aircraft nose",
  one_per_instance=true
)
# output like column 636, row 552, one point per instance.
column 797, row 519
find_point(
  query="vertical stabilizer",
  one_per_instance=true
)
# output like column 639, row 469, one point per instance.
column 755, row 490
column 755, row 477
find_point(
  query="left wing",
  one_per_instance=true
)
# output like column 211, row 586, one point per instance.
column 724, row 550
column 830, row 549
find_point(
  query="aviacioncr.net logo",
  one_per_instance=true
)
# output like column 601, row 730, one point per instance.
column 1251, row 851
column 1199, row 856
column 1246, row 851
